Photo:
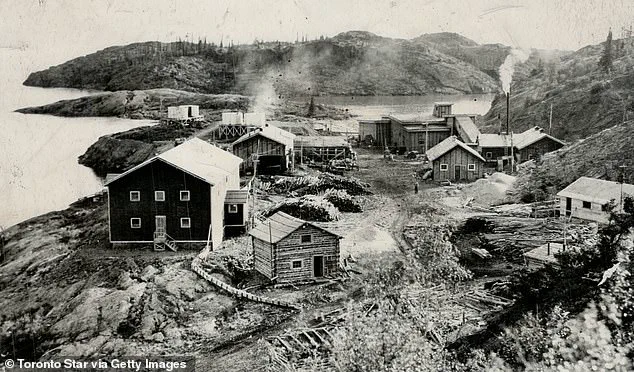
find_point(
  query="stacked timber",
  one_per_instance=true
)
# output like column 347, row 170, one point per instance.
column 308, row 207
column 342, row 200
column 299, row 186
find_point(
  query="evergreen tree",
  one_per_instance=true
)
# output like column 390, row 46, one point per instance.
column 311, row 107
column 605, row 63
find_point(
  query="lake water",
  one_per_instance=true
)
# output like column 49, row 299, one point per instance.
column 39, row 172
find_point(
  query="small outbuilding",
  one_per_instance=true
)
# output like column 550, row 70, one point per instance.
column 585, row 198
column 270, row 145
column 187, row 114
column 533, row 143
column 236, row 211
column 453, row 160
column 287, row 249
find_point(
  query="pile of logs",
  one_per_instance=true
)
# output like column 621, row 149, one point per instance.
column 299, row 186
column 308, row 207
column 342, row 200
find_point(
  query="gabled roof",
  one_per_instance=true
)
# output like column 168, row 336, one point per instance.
column 271, row 132
column 236, row 197
column 196, row 157
column 447, row 145
column 494, row 140
column 596, row 190
column 279, row 226
column 320, row 141
column 467, row 129
column 530, row 136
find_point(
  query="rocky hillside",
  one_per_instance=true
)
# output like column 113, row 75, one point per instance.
column 351, row 63
column 599, row 155
column 137, row 104
column 486, row 57
column 585, row 99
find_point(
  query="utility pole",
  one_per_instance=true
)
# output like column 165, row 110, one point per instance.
column 550, row 120
column 426, row 136
column 622, row 180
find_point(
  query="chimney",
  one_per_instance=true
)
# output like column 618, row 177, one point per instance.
column 508, row 110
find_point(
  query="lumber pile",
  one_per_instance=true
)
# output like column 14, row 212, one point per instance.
column 342, row 200
column 514, row 236
column 299, row 186
column 308, row 207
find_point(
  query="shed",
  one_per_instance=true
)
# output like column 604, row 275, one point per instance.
column 533, row 143
column 236, row 209
column 175, row 197
column 453, row 160
column 585, row 198
column 184, row 113
column 322, row 148
column 287, row 249
column 272, row 146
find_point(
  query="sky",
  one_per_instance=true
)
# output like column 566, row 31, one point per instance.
column 57, row 30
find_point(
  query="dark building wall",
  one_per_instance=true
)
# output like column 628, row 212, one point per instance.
column 461, row 158
column 291, row 248
column 259, row 145
column 235, row 218
column 416, row 140
column 159, row 176
column 536, row 149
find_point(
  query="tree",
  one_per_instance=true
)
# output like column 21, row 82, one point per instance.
column 605, row 63
column 311, row 107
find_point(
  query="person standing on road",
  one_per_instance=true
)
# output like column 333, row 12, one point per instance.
column 416, row 187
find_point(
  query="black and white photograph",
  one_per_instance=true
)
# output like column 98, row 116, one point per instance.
column 301, row 185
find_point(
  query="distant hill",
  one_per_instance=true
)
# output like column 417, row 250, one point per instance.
column 486, row 57
column 585, row 100
column 600, row 155
column 351, row 63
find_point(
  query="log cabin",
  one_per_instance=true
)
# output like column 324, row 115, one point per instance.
column 272, row 146
column 289, row 250
column 455, row 161
column 173, row 198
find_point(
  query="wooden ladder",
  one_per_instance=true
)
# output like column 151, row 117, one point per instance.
column 162, row 241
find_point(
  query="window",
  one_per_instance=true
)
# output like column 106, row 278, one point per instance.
column 444, row 167
column 135, row 223
column 296, row 264
column 184, row 194
column 489, row 155
column 307, row 238
column 587, row 205
column 233, row 208
column 135, row 196
column 186, row 223
column 471, row 167
column 159, row 195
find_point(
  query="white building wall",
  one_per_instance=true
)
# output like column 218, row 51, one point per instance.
column 578, row 211
column 232, row 118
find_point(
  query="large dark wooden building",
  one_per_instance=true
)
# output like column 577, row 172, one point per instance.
column 287, row 249
column 533, row 143
column 175, row 197
column 270, row 145
column 453, row 160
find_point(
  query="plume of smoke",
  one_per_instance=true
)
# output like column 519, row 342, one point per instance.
column 508, row 67
column 265, row 97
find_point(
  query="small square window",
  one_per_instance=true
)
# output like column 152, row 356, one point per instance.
column 135, row 223
column 159, row 195
column 307, row 238
column 297, row 264
column 488, row 155
column 471, row 167
column 587, row 205
column 135, row 196
column 186, row 222
column 184, row 195
column 444, row 167
column 233, row 208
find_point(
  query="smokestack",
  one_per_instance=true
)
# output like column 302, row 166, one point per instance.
column 508, row 110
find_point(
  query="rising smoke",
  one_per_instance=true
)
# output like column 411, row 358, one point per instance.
column 508, row 67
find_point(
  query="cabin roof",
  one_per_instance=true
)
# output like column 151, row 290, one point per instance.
column 271, row 132
column 530, row 136
column 494, row 140
column 447, row 145
column 469, row 128
column 236, row 197
column 321, row 141
column 279, row 226
column 196, row 157
column 595, row 190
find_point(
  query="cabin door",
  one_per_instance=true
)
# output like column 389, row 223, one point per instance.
column 318, row 266
column 161, row 223
column 568, row 207
column 457, row 172
column 189, row 112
